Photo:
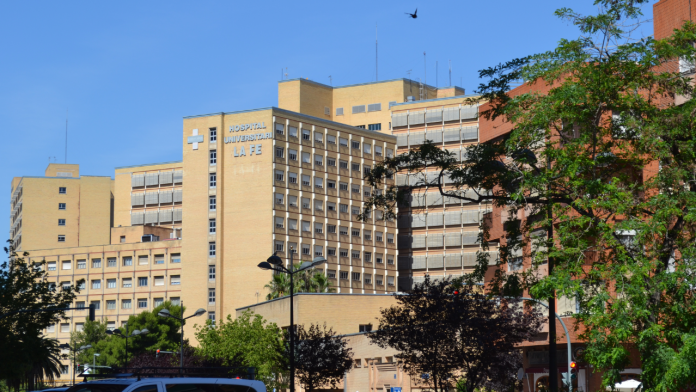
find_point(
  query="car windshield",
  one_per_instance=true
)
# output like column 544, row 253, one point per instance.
column 98, row 388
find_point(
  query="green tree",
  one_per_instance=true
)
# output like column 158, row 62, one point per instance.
column 308, row 281
column 321, row 358
column 164, row 334
column 247, row 341
column 598, row 157
column 26, row 297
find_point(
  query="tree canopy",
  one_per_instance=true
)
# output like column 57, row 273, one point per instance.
column 321, row 357
column 599, row 154
column 27, row 298
column 444, row 329
column 308, row 281
column 249, row 341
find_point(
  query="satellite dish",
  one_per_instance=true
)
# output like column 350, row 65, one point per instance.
column 520, row 374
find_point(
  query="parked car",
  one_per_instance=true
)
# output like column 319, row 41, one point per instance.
column 164, row 384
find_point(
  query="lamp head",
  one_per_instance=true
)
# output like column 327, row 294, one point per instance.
column 264, row 265
column 64, row 345
column 116, row 331
column 164, row 313
column 144, row 331
column 305, row 265
column 86, row 347
column 199, row 312
column 275, row 260
column 135, row 333
column 318, row 260
column 96, row 354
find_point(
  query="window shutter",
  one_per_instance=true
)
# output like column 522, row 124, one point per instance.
column 178, row 195
column 165, row 215
column 469, row 112
column 165, row 196
column 453, row 239
column 470, row 237
column 152, row 179
column 435, row 219
column 177, row 214
column 435, row 261
column 470, row 133
column 374, row 107
column 166, row 177
column 137, row 180
column 358, row 109
column 416, row 118
column 178, row 176
column 451, row 135
column 433, row 115
column 434, row 135
column 137, row 199
column 399, row 120
column 453, row 260
column 416, row 138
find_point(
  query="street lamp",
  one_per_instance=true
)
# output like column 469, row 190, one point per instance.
column 94, row 363
column 275, row 263
column 166, row 313
column 74, row 352
column 117, row 332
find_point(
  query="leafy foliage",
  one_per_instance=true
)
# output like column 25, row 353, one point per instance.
column 446, row 328
column 595, row 141
column 321, row 357
column 308, row 281
column 25, row 296
column 246, row 341
column 164, row 334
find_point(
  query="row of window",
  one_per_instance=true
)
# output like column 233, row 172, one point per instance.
column 175, row 258
column 319, row 205
column 319, row 158
column 330, row 139
column 331, row 229
column 355, row 276
column 126, row 283
column 319, row 183
column 331, row 251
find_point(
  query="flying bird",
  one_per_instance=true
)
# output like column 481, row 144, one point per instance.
column 413, row 15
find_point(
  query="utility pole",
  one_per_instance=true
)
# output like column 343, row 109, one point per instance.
column 425, row 70
column 450, row 72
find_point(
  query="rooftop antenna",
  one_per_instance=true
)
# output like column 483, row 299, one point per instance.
column 450, row 72
column 410, row 87
column 286, row 72
column 376, row 55
column 437, row 74
column 66, row 136
column 425, row 70
column 330, row 80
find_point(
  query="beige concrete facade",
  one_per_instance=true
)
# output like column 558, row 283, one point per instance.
column 364, row 105
column 60, row 211
column 274, row 180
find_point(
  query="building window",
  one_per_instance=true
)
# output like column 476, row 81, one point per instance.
column 67, row 265
column 331, row 229
column 126, row 304
column 213, row 157
column 213, row 180
column 176, row 301
column 367, row 257
column 123, row 239
column 142, row 303
column 355, row 232
column 390, row 260
column 343, row 230
column 355, row 254
column 343, row 186
column 306, row 181
column 211, row 273
column 365, row 328
column 213, row 135
column 390, row 238
column 81, row 264
column 367, row 234
column 331, row 184
column 159, row 281
column 61, row 238
column 379, row 280
column 318, row 228
column 331, row 251
column 211, row 249
column 211, row 226
column 305, row 250
column 360, row 126
column 305, row 203
column 159, row 259
column 305, row 134
column 355, row 144
column 175, row 280
column 343, row 275
column 111, row 305
column 390, row 281
column 211, row 296
column 142, row 260
column 279, row 246
column 343, row 208
column 343, row 142
column 61, row 222
column 343, row 253
column 331, row 162
column 111, row 283
column 374, row 127
column 211, row 317
column 157, row 302
column 292, row 200
column 111, row 262
column 279, row 175
column 318, row 182
column 127, row 283
column 80, row 304
column 292, row 178
column 378, row 236
column 279, row 222
column 279, row 198
column 62, row 190
column 318, row 250
column 356, row 276
column 343, row 164
column 212, row 203
column 127, row 261
column 331, row 206
column 339, row 111
column 142, row 281
column 292, row 131
column 176, row 258
column 292, row 154
column 279, row 152
column 64, row 369
column 96, row 284
column 96, row 263
column 379, row 259
column 51, row 266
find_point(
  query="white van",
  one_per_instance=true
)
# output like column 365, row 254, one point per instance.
column 175, row 384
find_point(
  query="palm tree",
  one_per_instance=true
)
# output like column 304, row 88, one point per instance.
column 305, row 282
column 38, row 360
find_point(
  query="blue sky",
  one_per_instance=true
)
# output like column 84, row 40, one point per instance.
column 127, row 72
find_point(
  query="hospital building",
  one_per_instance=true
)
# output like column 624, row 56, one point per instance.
column 251, row 183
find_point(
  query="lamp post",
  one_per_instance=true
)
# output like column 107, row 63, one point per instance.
column 94, row 363
column 166, row 313
column 74, row 352
column 275, row 263
column 126, row 335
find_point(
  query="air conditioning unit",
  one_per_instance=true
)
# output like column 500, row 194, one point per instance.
column 150, row 238
column 410, row 98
